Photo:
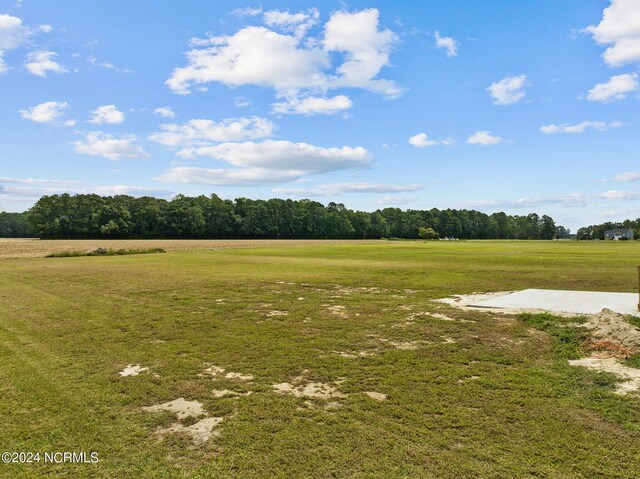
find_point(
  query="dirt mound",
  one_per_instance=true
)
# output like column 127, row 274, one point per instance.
column 611, row 326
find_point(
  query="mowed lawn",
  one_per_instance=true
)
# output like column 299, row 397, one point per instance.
column 465, row 394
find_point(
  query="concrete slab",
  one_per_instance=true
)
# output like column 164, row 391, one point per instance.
column 577, row 302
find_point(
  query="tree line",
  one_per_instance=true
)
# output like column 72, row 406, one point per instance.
column 92, row 216
column 597, row 231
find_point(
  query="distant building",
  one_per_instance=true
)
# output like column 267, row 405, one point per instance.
column 618, row 234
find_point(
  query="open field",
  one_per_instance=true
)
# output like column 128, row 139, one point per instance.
column 330, row 360
column 36, row 248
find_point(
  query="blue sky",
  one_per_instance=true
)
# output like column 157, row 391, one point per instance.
column 515, row 106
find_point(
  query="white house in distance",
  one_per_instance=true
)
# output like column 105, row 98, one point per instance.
column 619, row 234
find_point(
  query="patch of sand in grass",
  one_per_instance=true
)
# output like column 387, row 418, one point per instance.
column 180, row 407
column 377, row 396
column 309, row 390
column 217, row 371
column 630, row 376
column 354, row 354
column 275, row 312
column 200, row 432
column 338, row 310
column 403, row 345
column 132, row 370
column 448, row 340
column 470, row 378
column 220, row 393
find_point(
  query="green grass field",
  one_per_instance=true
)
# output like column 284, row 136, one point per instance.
column 481, row 396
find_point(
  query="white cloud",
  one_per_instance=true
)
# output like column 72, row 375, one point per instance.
column 246, row 12
column 253, row 55
column 421, row 140
column 313, row 105
column 366, row 48
column 107, row 114
column 289, row 63
column 41, row 63
column 165, row 112
column 296, row 23
column 626, row 177
column 509, row 90
column 616, row 88
column 580, row 127
column 109, row 66
column 204, row 132
column 447, row 43
column 45, row 28
column 12, row 34
column 267, row 162
column 46, row 112
column 334, row 189
column 225, row 177
column 619, row 28
column 484, row 138
column 285, row 155
column 97, row 143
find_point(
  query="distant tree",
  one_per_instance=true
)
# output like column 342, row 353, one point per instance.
column 427, row 233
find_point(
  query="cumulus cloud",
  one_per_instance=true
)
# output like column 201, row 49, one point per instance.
column 97, row 143
column 313, row 105
column 268, row 161
column 203, row 132
column 42, row 62
column 580, row 127
column 46, row 112
column 108, row 114
column 12, row 34
column 616, row 88
column 291, row 61
column 334, row 189
column 484, row 138
column 286, row 155
column 620, row 29
column 421, row 140
column 165, row 112
column 509, row 90
column 449, row 45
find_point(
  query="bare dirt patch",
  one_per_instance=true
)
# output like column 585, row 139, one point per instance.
column 132, row 370
column 310, row 390
column 180, row 407
column 217, row 371
column 200, row 432
column 377, row 396
column 630, row 376
column 338, row 310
